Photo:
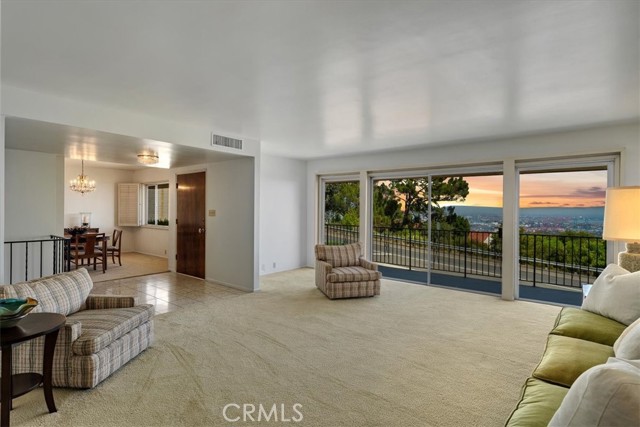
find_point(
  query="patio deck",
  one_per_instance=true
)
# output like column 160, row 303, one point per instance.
column 537, row 293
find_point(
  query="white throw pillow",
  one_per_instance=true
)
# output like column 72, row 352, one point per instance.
column 615, row 294
column 627, row 346
column 605, row 395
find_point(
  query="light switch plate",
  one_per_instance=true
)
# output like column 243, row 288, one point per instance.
column 212, row 212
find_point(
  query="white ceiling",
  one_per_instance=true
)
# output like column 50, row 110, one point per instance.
column 317, row 78
column 109, row 149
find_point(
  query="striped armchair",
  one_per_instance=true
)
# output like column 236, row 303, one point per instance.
column 102, row 332
column 341, row 272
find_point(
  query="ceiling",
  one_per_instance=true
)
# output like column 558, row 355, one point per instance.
column 103, row 149
column 313, row 79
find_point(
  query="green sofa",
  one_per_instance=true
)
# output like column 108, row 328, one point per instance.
column 578, row 341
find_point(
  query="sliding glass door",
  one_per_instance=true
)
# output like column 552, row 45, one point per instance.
column 424, row 223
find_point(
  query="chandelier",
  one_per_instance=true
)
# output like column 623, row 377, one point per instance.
column 82, row 184
column 148, row 158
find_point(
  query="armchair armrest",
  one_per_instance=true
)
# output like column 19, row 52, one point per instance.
column 322, row 269
column 368, row 264
column 96, row 302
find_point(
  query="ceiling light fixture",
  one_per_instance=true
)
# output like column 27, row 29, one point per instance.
column 148, row 158
column 82, row 184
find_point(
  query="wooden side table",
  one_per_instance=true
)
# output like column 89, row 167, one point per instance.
column 32, row 326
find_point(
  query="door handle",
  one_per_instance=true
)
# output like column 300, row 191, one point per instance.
column 201, row 230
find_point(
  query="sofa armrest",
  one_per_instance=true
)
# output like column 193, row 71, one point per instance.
column 71, row 331
column 368, row 264
column 96, row 302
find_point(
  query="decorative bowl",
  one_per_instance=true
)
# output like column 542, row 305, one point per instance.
column 10, row 323
column 14, row 309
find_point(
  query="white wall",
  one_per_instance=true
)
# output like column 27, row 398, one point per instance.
column 2, row 196
column 283, row 214
column 33, row 185
column 231, row 233
column 148, row 239
column 102, row 203
column 33, row 210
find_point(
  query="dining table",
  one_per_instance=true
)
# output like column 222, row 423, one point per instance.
column 103, row 240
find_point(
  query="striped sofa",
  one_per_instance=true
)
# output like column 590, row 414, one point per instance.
column 341, row 272
column 102, row 332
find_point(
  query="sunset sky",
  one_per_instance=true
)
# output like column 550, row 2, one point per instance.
column 559, row 189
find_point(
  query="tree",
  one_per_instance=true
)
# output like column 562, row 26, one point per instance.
column 405, row 203
column 342, row 203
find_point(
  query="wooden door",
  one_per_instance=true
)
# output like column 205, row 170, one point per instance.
column 190, row 224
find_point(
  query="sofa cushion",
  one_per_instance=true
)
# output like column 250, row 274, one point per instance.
column 566, row 358
column 614, row 294
column 537, row 404
column 63, row 293
column 577, row 323
column 605, row 395
column 628, row 345
column 101, row 327
column 339, row 255
column 352, row 274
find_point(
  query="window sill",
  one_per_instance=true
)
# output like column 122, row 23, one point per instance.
column 155, row 227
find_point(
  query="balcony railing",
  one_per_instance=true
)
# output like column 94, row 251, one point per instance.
column 33, row 258
column 544, row 259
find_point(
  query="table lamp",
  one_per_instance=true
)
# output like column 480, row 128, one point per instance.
column 622, row 223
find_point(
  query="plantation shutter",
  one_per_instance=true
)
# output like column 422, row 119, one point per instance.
column 129, row 204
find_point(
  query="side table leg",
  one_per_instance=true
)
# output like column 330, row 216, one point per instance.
column 47, row 368
column 6, row 389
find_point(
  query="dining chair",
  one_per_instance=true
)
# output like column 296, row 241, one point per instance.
column 85, row 248
column 115, row 247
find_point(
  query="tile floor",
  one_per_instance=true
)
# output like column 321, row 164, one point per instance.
column 167, row 291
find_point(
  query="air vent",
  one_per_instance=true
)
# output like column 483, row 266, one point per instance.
column 224, row 141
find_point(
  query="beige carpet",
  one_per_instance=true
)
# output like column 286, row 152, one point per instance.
column 414, row 356
column 133, row 264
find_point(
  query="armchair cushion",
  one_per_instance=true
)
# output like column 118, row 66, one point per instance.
column 102, row 327
column 352, row 274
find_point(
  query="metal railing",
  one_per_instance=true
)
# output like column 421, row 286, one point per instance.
column 33, row 258
column 562, row 260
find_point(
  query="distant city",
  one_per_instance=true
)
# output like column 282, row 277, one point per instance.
column 537, row 220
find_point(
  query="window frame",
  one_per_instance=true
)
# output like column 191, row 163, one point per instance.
column 155, row 186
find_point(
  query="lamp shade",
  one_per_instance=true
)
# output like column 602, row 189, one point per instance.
column 622, row 214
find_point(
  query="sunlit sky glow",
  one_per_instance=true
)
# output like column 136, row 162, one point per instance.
column 542, row 190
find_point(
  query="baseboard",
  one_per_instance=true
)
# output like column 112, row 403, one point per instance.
column 146, row 253
column 230, row 285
